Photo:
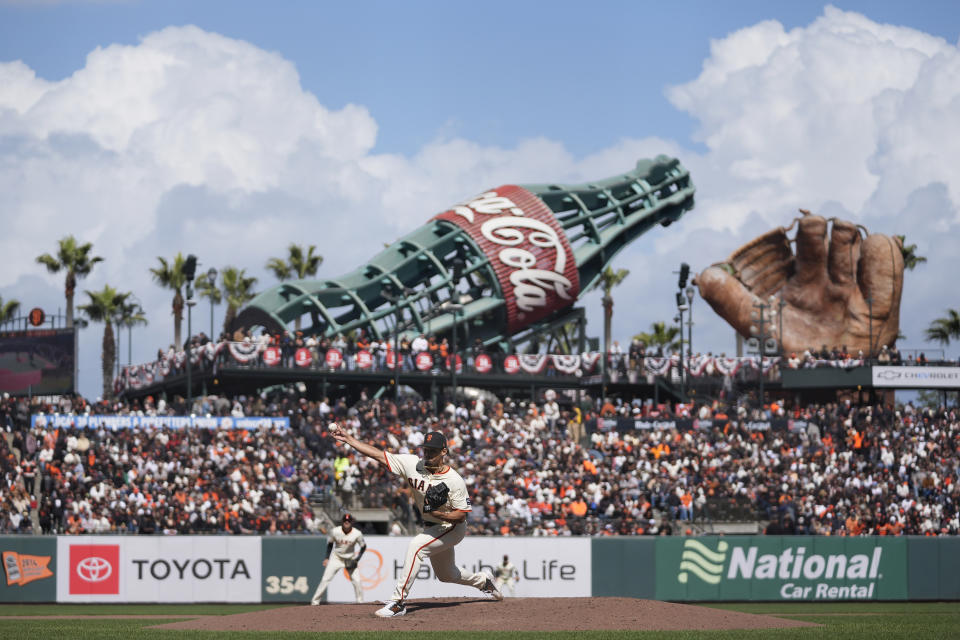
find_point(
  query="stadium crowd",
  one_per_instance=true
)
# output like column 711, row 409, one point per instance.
column 532, row 468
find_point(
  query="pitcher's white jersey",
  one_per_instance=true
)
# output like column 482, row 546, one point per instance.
column 345, row 545
column 410, row 468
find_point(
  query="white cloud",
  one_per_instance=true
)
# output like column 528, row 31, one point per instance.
column 194, row 142
column 841, row 110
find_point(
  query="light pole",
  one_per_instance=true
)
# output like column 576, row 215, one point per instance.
column 137, row 310
column 780, row 305
column 190, row 304
column 760, row 335
column 212, row 279
column 118, row 320
column 681, row 307
column 689, row 293
column 870, row 316
column 189, row 269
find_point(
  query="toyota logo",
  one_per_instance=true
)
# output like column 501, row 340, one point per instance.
column 94, row 569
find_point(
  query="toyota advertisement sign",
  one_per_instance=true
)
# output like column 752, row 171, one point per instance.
column 158, row 569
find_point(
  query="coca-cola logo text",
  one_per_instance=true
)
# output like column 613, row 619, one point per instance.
column 527, row 248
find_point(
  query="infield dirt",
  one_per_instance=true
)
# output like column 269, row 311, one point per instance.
column 512, row 614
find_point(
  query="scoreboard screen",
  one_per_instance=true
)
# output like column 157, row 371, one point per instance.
column 39, row 362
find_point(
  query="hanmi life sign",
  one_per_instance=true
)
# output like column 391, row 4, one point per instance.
column 782, row 568
column 917, row 377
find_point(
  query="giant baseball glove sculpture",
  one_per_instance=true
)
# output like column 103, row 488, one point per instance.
column 830, row 288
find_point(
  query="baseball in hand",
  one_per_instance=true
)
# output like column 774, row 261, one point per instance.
column 337, row 432
column 839, row 288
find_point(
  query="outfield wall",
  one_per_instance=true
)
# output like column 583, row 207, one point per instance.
column 288, row 568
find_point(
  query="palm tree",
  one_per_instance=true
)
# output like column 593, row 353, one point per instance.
column 943, row 329
column 909, row 252
column 237, row 291
column 104, row 306
column 661, row 335
column 297, row 266
column 8, row 310
column 171, row 276
column 130, row 315
column 608, row 280
column 76, row 260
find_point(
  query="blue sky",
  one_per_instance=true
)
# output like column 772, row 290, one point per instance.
column 419, row 66
column 409, row 107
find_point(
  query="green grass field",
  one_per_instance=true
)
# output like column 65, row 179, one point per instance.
column 859, row 621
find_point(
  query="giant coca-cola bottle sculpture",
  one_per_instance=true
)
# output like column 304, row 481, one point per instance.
column 491, row 267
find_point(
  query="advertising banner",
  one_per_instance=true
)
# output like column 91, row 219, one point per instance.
column 788, row 568
column 158, row 569
column 627, row 425
column 28, row 569
column 548, row 567
column 116, row 422
column 917, row 377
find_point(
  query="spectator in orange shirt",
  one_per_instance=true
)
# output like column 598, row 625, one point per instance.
column 892, row 528
column 608, row 410
column 686, row 506
column 853, row 525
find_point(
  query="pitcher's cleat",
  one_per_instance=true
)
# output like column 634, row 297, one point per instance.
column 393, row 609
column 491, row 589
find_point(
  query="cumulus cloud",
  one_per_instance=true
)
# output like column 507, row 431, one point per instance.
column 190, row 141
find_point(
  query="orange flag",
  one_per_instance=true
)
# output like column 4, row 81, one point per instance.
column 22, row 569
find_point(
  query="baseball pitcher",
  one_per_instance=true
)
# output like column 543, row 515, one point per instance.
column 508, row 575
column 341, row 542
column 441, row 495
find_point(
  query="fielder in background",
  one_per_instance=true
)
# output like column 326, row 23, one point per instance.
column 341, row 542
column 441, row 495
column 508, row 575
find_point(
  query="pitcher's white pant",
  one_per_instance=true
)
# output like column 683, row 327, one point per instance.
column 334, row 564
column 509, row 583
column 437, row 543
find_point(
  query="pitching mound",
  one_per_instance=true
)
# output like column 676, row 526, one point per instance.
column 513, row 614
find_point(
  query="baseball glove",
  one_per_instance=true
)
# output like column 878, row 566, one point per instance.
column 839, row 288
column 435, row 497
column 350, row 564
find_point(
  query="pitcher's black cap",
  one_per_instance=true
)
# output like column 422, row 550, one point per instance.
column 348, row 518
column 435, row 440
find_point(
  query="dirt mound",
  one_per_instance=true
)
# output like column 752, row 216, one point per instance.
column 513, row 614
